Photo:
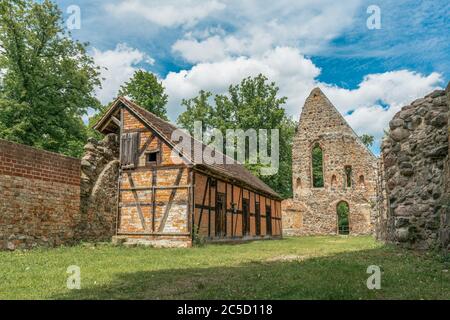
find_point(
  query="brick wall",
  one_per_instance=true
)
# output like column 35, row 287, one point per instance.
column 39, row 197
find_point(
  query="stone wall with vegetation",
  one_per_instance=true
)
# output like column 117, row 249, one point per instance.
column 39, row 197
column 99, row 181
column 413, row 158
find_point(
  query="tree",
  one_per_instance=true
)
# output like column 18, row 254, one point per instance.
column 48, row 80
column 145, row 89
column 342, row 212
column 251, row 104
column 367, row 140
column 317, row 166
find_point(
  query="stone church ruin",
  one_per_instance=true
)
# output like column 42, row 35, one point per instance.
column 339, row 186
column 334, row 175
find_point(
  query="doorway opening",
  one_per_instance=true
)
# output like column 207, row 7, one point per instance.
column 342, row 215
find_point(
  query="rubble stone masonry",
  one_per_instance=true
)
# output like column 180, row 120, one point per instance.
column 39, row 197
column 415, row 168
column 99, row 182
column 313, row 210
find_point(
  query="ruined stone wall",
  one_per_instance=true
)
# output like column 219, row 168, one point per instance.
column 314, row 210
column 414, row 154
column 381, row 221
column 99, row 182
column 39, row 197
column 445, row 217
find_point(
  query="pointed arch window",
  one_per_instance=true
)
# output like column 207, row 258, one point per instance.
column 362, row 183
column 333, row 181
column 348, row 176
column 298, row 184
column 317, row 166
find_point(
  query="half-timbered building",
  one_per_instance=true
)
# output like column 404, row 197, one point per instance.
column 168, row 198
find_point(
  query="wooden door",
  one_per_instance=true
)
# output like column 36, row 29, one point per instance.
column 257, row 219
column 245, row 217
column 220, row 219
column 268, row 220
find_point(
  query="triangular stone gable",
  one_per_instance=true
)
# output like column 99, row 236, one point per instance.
column 320, row 118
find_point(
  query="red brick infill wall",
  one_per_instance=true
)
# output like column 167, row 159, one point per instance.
column 39, row 197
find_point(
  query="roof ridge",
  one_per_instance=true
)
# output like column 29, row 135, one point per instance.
column 215, row 167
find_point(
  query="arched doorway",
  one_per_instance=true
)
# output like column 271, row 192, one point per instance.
column 342, row 210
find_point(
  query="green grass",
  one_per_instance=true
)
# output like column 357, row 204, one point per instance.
column 292, row 268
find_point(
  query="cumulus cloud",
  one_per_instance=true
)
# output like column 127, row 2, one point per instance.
column 368, row 108
column 292, row 72
column 371, row 106
column 167, row 13
column 192, row 50
column 259, row 26
column 117, row 66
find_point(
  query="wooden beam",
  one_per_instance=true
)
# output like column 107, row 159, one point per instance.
column 209, row 211
column 172, row 234
column 203, row 203
column 183, row 186
column 154, row 176
column 118, row 216
column 232, row 212
column 115, row 120
column 136, row 188
column 239, row 201
column 162, row 167
column 146, row 144
column 138, row 205
column 169, row 204
column 226, row 207
column 191, row 202
column 134, row 204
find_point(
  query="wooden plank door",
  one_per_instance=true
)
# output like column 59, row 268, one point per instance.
column 245, row 217
column 220, row 219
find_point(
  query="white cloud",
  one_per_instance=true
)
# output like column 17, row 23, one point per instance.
column 292, row 72
column 211, row 49
column 167, row 13
column 117, row 67
column 259, row 26
column 395, row 89
column 296, row 76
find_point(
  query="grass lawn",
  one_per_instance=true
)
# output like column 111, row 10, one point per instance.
column 292, row 268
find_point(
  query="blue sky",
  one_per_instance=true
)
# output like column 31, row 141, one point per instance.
column 208, row 44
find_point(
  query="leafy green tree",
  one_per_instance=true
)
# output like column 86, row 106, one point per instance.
column 317, row 166
column 368, row 140
column 91, row 133
column 197, row 109
column 251, row 104
column 48, row 80
column 145, row 89
column 342, row 212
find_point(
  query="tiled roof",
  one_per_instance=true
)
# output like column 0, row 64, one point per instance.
column 235, row 171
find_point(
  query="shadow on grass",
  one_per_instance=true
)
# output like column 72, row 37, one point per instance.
column 405, row 275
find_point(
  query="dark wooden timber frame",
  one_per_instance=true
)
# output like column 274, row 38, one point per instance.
column 154, row 168
column 233, row 208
